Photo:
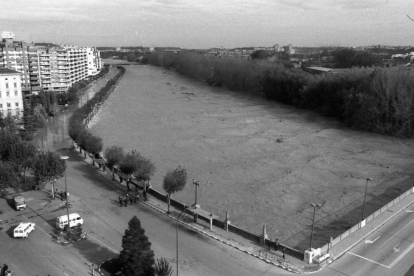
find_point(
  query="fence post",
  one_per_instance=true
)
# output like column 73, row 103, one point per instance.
column 330, row 244
column 263, row 236
column 227, row 222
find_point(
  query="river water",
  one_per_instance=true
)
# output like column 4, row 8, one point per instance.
column 262, row 162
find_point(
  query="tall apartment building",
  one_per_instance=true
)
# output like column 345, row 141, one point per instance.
column 11, row 97
column 47, row 66
column 14, row 55
column 94, row 61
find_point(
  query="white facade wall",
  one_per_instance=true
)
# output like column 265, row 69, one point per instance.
column 11, row 97
column 94, row 61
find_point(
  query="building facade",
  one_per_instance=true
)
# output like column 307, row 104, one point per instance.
column 94, row 61
column 47, row 66
column 11, row 96
column 14, row 55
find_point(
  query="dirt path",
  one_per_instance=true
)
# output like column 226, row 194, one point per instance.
column 263, row 162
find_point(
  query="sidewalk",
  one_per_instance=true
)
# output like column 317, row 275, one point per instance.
column 354, row 238
column 269, row 256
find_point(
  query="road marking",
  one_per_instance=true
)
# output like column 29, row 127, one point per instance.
column 409, row 211
column 369, row 241
column 402, row 255
column 369, row 260
column 394, row 235
column 395, row 248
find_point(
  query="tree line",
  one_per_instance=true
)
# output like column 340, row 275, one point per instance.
column 18, row 157
column 375, row 99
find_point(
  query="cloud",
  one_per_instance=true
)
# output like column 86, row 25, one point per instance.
column 334, row 4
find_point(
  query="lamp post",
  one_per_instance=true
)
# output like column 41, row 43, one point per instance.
column 64, row 158
column 313, row 221
column 196, row 183
column 185, row 208
column 365, row 197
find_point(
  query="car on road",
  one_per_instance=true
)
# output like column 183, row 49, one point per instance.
column 74, row 220
column 19, row 202
column 23, row 229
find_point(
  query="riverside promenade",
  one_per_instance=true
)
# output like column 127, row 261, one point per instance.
column 233, row 240
column 256, row 250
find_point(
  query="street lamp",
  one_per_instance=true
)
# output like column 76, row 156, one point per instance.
column 313, row 221
column 196, row 183
column 185, row 208
column 64, row 158
column 365, row 197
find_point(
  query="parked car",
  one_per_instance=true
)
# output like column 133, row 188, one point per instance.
column 19, row 202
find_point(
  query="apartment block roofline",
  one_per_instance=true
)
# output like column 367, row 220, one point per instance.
column 7, row 71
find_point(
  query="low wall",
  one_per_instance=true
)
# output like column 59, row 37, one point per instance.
column 326, row 247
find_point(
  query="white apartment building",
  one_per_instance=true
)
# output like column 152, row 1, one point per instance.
column 77, row 62
column 94, row 61
column 49, row 66
column 11, row 97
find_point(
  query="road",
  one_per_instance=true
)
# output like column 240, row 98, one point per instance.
column 387, row 251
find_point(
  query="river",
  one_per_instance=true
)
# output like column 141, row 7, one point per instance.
column 263, row 162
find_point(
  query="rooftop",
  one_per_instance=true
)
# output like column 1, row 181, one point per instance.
column 7, row 71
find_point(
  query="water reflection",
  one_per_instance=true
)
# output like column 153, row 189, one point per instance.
column 54, row 135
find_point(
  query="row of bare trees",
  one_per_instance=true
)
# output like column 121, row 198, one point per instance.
column 374, row 99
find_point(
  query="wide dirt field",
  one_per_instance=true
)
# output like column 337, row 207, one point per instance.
column 263, row 162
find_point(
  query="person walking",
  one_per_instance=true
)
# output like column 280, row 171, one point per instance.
column 131, row 200
column 126, row 200
column 120, row 201
column 137, row 198
column 283, row 253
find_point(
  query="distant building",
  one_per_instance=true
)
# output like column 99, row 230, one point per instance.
column 289, row 49
column 11, row 97
column 48, row 66
column 320, row 70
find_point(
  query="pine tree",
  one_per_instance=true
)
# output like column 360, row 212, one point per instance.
column 136, row 257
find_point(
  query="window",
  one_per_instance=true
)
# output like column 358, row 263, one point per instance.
column 7, row 85
column 8, row 105
column 15, row 85
column 17, row 104
column 8, row 94
column 0, row 94
column 1, row 105
column 15, row 92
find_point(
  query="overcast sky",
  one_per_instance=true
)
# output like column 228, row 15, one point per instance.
column 210, row 23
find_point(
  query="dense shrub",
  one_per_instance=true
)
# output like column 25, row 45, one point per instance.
column 374, row 99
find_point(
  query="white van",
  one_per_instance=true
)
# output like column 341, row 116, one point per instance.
column 23, row 229
column 74, row 220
